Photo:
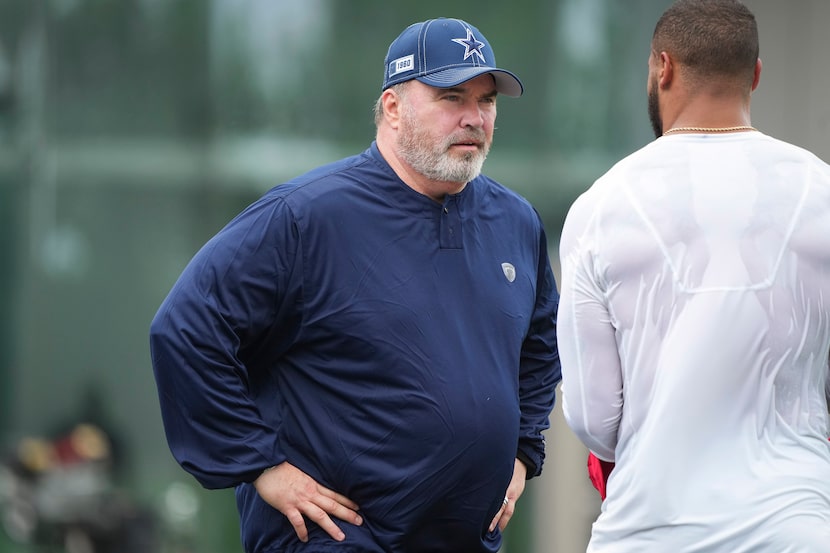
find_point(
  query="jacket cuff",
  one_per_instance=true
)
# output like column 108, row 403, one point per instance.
column 532, row 469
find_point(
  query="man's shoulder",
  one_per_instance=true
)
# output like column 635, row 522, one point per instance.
column 796, row 151
column 502, row 194
column 606, row 192
column 323, row 177
column 335, row 178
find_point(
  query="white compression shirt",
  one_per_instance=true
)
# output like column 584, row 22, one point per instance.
column 694, row 331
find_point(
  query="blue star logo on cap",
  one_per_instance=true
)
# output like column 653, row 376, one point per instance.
column 471, row 45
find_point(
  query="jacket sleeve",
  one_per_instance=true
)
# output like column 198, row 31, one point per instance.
column 231, row 313
column 539, row 373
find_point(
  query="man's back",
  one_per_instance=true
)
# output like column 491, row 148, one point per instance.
column 710, row 257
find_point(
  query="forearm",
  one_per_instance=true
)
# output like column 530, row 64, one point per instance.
column 592, row 392
column 592, row 383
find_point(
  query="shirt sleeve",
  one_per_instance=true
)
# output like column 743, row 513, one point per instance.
column 233, row 306
column 827, row 382
column 592, row 383
column 539, row 373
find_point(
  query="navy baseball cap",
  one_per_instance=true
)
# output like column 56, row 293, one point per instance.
column 444, row 53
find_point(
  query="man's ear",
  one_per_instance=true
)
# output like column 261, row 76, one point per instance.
column 757, row 78
column 665, row 74
column 391, row 102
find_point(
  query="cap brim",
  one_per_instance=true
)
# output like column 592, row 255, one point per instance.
column 506, row 82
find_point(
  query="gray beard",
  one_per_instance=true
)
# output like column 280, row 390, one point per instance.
column 436, row 163
column 441, row 166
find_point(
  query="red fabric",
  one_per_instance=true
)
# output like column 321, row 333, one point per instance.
column 598, row 471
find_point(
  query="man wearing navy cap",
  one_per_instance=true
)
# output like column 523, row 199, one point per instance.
column 367, row 353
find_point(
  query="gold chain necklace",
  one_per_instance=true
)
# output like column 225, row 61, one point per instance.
column 711, row 129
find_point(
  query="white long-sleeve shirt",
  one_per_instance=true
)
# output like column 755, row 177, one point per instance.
column 694, row 331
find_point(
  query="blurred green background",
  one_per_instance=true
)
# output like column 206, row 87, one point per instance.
column 132, row 130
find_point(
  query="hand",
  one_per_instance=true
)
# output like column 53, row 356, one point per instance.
column 298, row 496
column 514, row 491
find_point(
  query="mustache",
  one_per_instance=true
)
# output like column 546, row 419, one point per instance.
column 470, row 135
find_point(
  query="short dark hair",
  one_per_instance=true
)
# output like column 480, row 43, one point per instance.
column 710, row 37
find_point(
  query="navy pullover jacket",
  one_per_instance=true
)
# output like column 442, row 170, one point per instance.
column 400, row 351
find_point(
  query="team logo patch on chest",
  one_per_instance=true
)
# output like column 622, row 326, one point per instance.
column 509, row 271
